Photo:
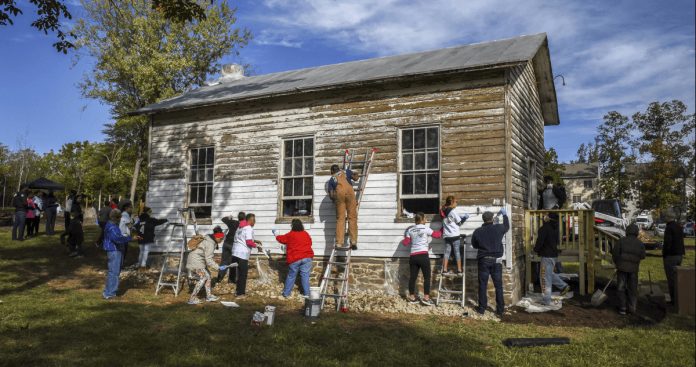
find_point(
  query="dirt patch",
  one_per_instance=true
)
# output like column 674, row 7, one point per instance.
column 579, row 312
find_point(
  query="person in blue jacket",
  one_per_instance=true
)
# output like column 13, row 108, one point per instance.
column 488, row 240
column 114, row 245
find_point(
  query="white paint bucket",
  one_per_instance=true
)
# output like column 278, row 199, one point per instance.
column 270, row 314
column 314, row 292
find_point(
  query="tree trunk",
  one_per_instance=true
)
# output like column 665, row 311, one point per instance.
column 136, row 173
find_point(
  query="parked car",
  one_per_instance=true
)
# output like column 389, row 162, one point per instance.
column 609, row 216
column 644, row 221
column 660, row 229
column 689, row 229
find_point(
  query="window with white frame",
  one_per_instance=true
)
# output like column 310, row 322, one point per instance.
column 419, row 170
column 200, row 180
column 297, row 177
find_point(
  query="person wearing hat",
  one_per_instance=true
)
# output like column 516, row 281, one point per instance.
column 198, row 262
column 342, row 193
column 114, row 244
column 672, row 251
column 627, row 254
column 488, row 240
column 547, row 248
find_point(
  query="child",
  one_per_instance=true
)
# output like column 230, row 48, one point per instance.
column 417, row 237
column 75, row 236
column 450, row 228
column 299, row 256
column 627, row 254
column 198, row 262
column 243, row 243
column 146, row 228
column 232, row 226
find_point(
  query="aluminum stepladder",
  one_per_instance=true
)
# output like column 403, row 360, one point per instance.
column 442, row 286
column 343, row 277
column 173, row 261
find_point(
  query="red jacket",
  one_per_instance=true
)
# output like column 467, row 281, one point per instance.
column 299, row 245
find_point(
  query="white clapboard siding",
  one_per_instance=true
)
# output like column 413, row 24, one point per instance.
column 379, row 235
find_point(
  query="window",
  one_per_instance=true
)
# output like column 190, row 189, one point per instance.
column 200, row 181
column 532, row 194
column 297, row 177
column 587, row 184
column 577, row 198
column 420, row 170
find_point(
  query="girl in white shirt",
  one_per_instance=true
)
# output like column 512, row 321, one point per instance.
column 417, row 237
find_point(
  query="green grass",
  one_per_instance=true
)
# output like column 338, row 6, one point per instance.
column 52, row 315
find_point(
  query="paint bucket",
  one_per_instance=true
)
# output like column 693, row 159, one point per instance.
column 269, row 314
column 314, row 292
column 312, row 308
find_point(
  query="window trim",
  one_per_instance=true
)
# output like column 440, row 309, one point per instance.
column 280, row 217
column 400, row 218
column 188, row 179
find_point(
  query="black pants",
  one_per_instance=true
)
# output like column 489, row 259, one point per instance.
column 242, row 271
column 30, row 226
column 670, row 265
column 627, row 286
column 415, row 263
column 488, row 267
column 50, row 219
column 226, row 260
column 18, row 224
column 66, row 217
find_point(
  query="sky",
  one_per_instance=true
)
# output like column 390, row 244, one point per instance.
column 614, row 55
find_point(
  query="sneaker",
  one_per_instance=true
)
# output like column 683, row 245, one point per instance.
column 459, row 273
column 240, row 296
column 565, row 290
column 622, row 312
column 427, row 302
column 194, row 301
column 412, row 301
column 353, row 246
column 342, row 248
column 447, row 272
column 480, row 310
column 212, row 298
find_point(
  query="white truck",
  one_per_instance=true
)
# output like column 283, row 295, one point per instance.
column 644, row 220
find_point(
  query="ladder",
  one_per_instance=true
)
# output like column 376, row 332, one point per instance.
column 341, row 280
column 443, row 280
column 173, row 261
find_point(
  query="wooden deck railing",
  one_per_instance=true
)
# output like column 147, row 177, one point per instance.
column 578, row 241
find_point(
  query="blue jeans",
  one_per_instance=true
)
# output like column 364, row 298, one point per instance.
column 20, row 218
column 549, row 278
column 114, row 263
column 488, row 267
column 305, row 268
column 452, row 244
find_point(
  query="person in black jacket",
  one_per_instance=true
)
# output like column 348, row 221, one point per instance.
column 627, row 254
column 19, row 202
column 50, row 208
column 146, row 228
column 672, row 251
column 232, row 226
column 488, row 240
column 552, row 196
column 547, row 247
column 75, row 236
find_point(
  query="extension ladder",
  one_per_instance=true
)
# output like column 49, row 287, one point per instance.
column 442, row 286
column 343, row 277
column 173, row 262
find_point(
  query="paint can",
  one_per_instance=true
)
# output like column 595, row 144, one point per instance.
column 257, row 319
column 314, row 292
column 312, row 308
column 269, row 314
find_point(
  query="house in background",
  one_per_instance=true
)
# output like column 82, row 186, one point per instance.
column 582, row 182
column 466, row 121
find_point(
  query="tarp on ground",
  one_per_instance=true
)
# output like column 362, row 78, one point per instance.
column 43, row 183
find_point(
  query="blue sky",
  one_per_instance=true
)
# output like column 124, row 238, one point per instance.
column 614, row 55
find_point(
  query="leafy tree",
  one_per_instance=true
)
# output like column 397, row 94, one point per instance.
column 662, row 142
column 614, row 142
column 587, row 153
column 552, row 167
column 142, row 57
column 50, row 13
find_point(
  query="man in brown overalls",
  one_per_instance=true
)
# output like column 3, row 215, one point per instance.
column 342, row 193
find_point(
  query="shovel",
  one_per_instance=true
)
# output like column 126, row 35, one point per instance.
column 600, row 296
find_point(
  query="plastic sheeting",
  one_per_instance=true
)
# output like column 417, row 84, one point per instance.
column 533, row 303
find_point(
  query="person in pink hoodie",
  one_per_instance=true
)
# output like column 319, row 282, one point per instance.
column 417, row 237
column 241, row 251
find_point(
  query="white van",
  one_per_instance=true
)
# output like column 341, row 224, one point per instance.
column 644, row 221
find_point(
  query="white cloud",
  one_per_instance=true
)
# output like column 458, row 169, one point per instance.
column 270, row 38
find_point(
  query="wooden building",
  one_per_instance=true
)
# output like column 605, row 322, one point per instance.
column 465, row 121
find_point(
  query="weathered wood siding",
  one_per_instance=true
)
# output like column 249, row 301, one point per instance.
column 469, row 108
column 526, row 127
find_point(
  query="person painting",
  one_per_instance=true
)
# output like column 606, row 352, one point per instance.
column 241, row 251
column 299, row 256
column 232, row 226
column 627, row 254
column 488, row 240
column 341, row 192
column 114, row 244
column 450, row 228
column 199, row 260
column 546, row 247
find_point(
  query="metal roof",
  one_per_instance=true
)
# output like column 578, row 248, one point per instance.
column 487, row 54
column 580, row 170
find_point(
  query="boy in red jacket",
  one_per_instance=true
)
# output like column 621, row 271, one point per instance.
column 299, row 256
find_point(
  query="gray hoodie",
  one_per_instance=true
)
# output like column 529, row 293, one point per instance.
column 202, row 256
